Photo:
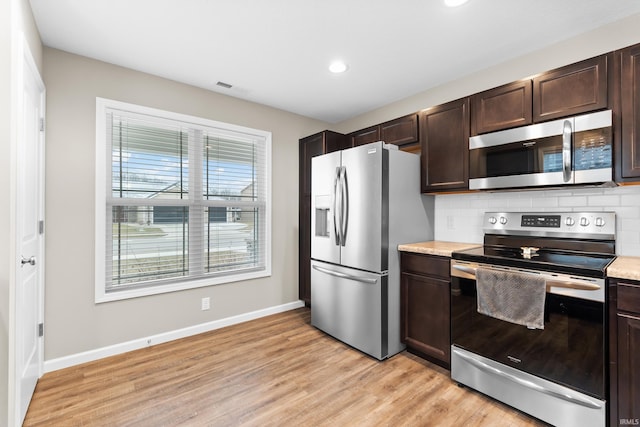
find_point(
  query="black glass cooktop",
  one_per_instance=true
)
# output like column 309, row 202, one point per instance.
column 544, row 259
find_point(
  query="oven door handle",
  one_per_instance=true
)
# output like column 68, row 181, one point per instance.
column 550, row 282
column 537, row 387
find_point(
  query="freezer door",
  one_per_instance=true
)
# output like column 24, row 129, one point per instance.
column 351, row 305
column 324, row 180
column 365, row 226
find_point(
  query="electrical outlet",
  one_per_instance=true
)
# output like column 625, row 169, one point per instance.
column 205, row 303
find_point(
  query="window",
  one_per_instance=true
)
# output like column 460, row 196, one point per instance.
column 181, row 201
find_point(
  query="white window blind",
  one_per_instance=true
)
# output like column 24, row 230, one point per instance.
column 186, row 201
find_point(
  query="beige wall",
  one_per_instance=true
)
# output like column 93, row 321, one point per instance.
column 15, row 19
column 605, row 39
column 74, row 323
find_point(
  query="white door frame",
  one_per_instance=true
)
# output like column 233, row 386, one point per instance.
column 25, row 64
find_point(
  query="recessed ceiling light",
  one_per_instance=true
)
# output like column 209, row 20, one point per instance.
column 454, row 3
column 338, row 67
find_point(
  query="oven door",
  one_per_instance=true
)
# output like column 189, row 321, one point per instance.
column 570, row 350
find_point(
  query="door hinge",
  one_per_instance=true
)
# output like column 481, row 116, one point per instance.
column 41, row 227
column 40, row 329
column 42, row 124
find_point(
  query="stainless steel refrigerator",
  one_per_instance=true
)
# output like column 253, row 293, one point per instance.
column 365, row 201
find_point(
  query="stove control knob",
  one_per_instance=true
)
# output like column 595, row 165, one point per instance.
column 570, row 221
column 492, row 220
column 503, row 220
column 599, row 222
column 584, row 221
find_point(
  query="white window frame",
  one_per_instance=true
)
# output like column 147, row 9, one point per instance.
column 103, row 161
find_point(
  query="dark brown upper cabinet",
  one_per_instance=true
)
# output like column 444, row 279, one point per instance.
column 628, row 141
column 444, row 140
column 365, row 136
column 402, row 131
column 503, row 107
column 573, row 89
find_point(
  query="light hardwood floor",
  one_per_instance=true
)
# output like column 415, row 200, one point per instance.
column 274, row 371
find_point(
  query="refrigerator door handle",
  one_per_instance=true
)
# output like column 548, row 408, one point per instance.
column 345, row 276
column 337, row 199
column 344, row 215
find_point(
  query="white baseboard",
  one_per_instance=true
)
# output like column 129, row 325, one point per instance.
column 112, row 350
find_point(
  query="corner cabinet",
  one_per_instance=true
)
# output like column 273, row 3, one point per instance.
column 424, row 306
column 311, row 146
column 444, row 140
column 624, row 352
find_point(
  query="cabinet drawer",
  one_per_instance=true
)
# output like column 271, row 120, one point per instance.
column 629, row 297
column 430, row 265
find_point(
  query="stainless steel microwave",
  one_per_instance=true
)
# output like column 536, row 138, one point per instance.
column 574, row 150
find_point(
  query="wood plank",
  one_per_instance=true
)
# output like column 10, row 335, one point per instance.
column 274, row 371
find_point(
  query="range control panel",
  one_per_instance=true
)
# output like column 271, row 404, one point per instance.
column 600, row 225
column 540, row 221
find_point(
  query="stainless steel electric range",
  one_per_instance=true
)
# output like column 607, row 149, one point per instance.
column 528, row 323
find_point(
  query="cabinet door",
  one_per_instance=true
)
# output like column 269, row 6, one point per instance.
column 503, row 107
column 630, row 112
column 444, row 139
column 574, row 89
column 628, row 372
column 304, row 247
column 365, row 136
column 400, row 131
column 310, row 147
column 425, row 315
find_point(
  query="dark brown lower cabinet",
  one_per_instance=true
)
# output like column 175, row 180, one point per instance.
column 624, row 352
column 424, row 307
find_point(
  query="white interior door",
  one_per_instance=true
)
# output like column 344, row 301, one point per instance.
column 29, row 238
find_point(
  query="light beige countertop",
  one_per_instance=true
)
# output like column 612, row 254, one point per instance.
column 435, row 247
column 625, row 267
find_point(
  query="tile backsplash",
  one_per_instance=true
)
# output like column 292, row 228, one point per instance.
column 458, row 217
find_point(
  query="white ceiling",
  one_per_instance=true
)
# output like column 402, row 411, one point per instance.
column 277, row 52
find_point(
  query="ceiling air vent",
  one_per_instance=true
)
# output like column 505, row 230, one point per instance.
column 224, row 85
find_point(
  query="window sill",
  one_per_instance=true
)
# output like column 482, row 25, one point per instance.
column 117, row 295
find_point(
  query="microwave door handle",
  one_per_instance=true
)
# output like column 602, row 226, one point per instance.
column 567, row 133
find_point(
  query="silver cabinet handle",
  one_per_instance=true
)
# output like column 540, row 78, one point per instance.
column 566, row 150
column 31, row 261
column 537, row 387
column 345, row 276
